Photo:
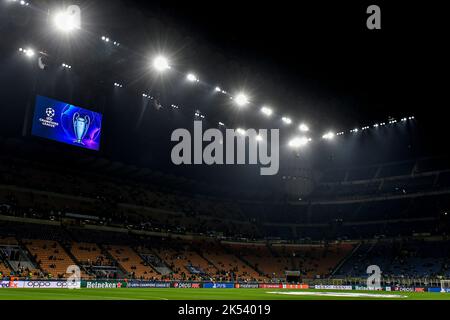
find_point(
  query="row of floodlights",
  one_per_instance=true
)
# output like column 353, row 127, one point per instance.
column 241, row 99
column 378, row 125
column 199, row 115
column 67, row 23
column 108, row 40
column 21, row 2
column 161, row 63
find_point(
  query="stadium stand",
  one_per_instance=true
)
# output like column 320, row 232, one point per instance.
column 4, row 270
column 400, row 259
column 131, row 262
column 229, row 265
column 142, row 226
column 51, row 257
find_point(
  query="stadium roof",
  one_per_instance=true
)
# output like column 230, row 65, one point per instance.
column 322, row 67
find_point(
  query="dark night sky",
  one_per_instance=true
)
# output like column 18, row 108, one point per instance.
column 312, row 60
column 323, row 49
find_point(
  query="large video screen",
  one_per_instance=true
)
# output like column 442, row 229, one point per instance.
column 63, row 122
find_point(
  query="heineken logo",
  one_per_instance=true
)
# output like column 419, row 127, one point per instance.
column 103, row 285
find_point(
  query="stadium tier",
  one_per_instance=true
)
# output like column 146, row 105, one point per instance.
column 116, row 227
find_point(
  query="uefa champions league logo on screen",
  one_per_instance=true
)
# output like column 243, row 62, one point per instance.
column 50, row 112
column 80, row 127
column 48, row 121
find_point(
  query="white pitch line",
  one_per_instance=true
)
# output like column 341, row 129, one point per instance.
column 341, row 294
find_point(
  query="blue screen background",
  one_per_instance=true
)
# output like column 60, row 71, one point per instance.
column 54, row 120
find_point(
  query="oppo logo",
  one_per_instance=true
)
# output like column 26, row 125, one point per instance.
column 38, row 284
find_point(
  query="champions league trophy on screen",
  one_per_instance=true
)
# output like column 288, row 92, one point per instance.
column 80, row 127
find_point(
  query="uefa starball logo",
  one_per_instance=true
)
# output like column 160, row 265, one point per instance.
column 228, row 149
column 48, row 120
column 50, row 112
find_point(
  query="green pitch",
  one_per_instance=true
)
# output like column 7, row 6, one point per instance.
column 210, row 294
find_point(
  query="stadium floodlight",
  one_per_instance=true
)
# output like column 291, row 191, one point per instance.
column 67, row 21
column 21, row 2
column 241, row 100
column 240, row 131
column 329, row 136
column 303, row 128
column 299, row 142
column 267, row 111
column 221, row 124
column 161, row 64
column 29, row 53
column 192, row 78
column 286, row 120
column 218, row 89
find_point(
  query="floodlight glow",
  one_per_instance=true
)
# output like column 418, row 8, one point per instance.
column 299, row 142
column 304, row 128
column 221, row 124
column 65, row 22
column 267, row 111
column 192, row 78
column 218, row 89
column 241, row 100
column 161, row 63
column 329, row 136
column 286, row 120
column 29, row 53
column 240, row 131
column 259, row 138
column 22, row 2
